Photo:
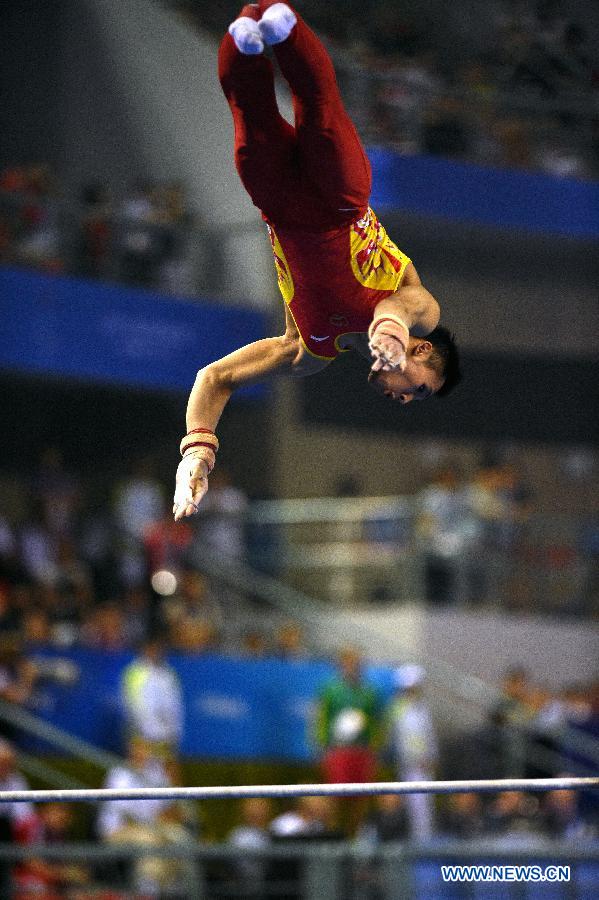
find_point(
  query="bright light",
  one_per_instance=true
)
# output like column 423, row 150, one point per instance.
column 164, row 583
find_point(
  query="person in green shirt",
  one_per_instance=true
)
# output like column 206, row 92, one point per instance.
column 349, row 724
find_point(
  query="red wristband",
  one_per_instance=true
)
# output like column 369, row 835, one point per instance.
column 187, row 447
column 199, row 431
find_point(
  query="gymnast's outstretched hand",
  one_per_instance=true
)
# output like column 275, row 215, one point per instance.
column 191, row 484
column 388, row 353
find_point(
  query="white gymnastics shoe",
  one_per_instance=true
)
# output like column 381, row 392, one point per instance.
column 247, row 36
column 276, row 23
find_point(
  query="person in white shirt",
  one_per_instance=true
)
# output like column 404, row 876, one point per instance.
column 249, row 837
column 413, row 743
column 140, row 770
column 152, row 698
column 12, row 780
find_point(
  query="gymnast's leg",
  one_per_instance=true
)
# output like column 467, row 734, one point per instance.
column 331, row 156
column 265, row 144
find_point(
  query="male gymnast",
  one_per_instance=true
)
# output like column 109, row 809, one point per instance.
column 345, row 284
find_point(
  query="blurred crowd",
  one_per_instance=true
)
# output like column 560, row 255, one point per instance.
column 513, row 85
column 483, row 542
column 108, row 569
column 480, row 537
column 360, row 738
column 102, row 564
column 105, row 565
column 140, row 238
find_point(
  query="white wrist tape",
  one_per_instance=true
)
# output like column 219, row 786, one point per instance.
column 392, row 325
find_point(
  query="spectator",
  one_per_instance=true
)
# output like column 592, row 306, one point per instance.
column 94, row 241
column 389, row 821
column 515, row 142
column 137, row 616
column 193, row 600
column 349, row 728
column 139, row 504
column 572, row 61
column 141, row 769
column 563, row 819
column 18, row 679
column 58, row 490
column 490, row 498
column 464, row 816
column 152, row 699
column 11, row 566
column 413, row 744
column 13, row 816
column 166, row 544
column 137, row 236
column 175, row 272
column 52, row 825
column 10, row 619
column 221, row 526
column 254, row 644
column 36, row 629
column 509, row 721
column 38, row 547
column 98, row 541
column 289, row 642
column 140, row 500
column 158, row 876
column 446, row 531
column 444, row 131
column 39, row 242
column 514, row 814
column 312, row 819
column 195, row 636
column 6, row 243
column 103, row 629
column 252, row 835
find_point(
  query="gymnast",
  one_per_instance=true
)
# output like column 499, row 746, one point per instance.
column 345, row 284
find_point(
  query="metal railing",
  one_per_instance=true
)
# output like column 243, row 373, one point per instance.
column 336, row 870
column 21, row 720
column 353, row 550
column 68, row 743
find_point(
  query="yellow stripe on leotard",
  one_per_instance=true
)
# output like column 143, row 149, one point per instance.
column 376, row 261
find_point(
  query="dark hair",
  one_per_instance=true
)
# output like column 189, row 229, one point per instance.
column 445, row 359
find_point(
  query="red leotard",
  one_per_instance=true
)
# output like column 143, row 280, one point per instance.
column 312, row 182
column 332, row 280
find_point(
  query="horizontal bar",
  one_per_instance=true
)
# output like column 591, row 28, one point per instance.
column 91, row 795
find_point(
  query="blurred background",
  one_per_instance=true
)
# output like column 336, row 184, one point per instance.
column 418, row 586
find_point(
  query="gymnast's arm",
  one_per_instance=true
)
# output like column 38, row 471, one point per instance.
column 284, row 355
column 411, row 310
column 216, row 382
column 214, row 385
column 415, row 305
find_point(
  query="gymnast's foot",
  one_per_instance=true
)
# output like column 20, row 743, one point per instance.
column 246, row 34
column 276, row 23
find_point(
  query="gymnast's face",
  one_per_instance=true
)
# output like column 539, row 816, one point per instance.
column 418, row 381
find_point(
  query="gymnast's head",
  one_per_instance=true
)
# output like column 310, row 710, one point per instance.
column 432, row 369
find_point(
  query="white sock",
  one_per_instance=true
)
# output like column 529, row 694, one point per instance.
column 247, row 36
column 276, row 23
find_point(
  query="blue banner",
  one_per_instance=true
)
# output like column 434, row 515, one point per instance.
column 469, row 193
column 234, row 708
column 109, row 333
